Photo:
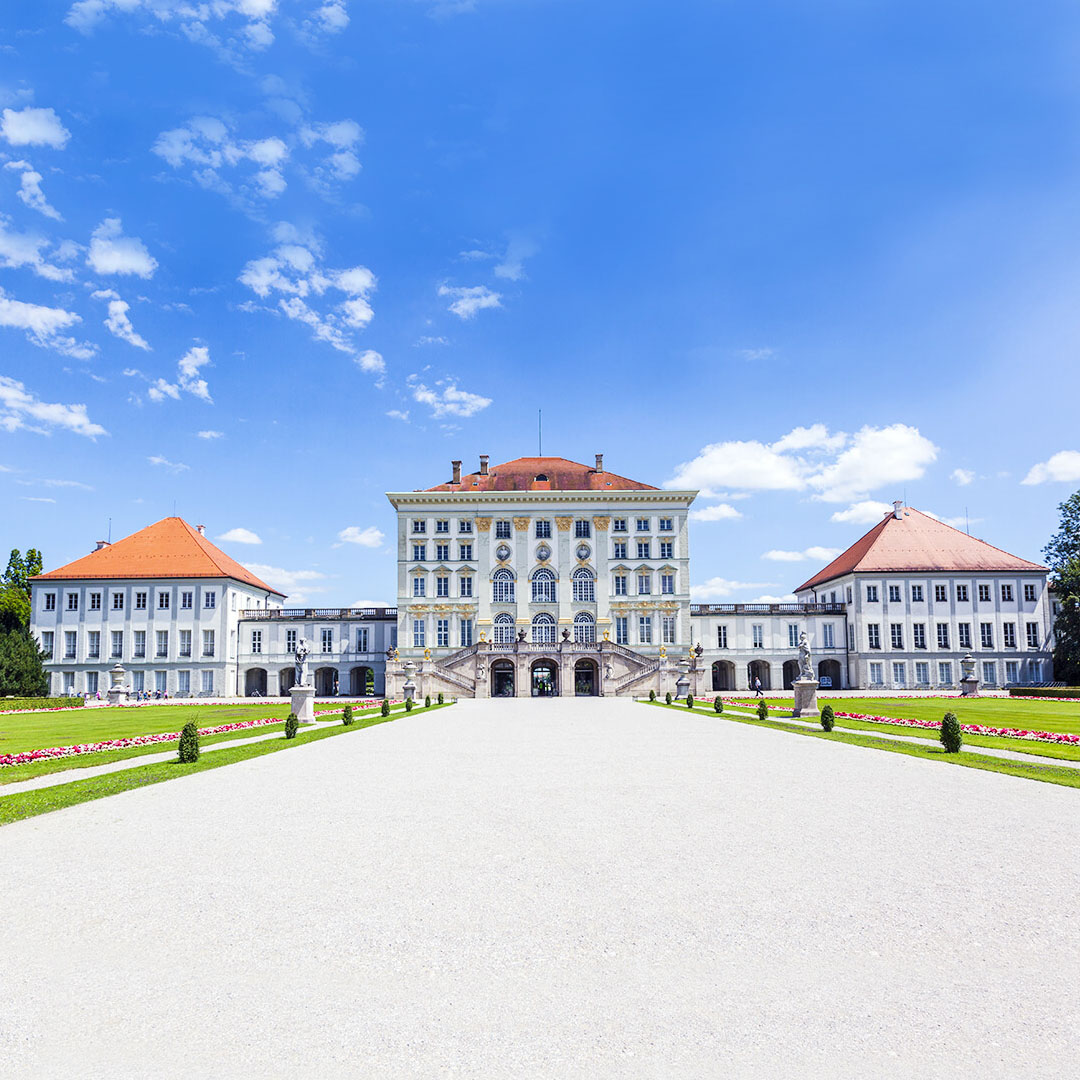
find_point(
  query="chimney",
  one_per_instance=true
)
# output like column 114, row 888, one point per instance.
column 200, row 529
column 599, row 462
column 483, row 464
column 102, row 544
column 457, row 471
column 897, row 509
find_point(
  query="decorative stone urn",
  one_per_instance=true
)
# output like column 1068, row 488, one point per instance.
column 409, row 689
column 969, row 681
column 682, row 683
column 116, row 684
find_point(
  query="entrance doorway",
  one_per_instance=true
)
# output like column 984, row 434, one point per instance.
column 545, row 679
column 502, row 678
column 586, row 683
column 791, row 673
column 255, row 682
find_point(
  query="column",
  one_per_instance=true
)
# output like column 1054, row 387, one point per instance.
column 482, row 551
column 564, row 563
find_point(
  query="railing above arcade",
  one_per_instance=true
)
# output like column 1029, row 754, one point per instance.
column 767, row 609
column 262, row 614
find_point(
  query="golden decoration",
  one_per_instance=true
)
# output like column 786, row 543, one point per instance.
column 564, row 524
column 521, row 524
column 427, row 654
column 483, row 524
column 663, row 653
column 601, row 524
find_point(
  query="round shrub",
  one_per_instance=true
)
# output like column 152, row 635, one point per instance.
column 652, row 695
column 189, row 743
column 667, row 698
column 439, row 699
column 347, row 716
column 408, row 704
column 717, row 704
column 689, row 701
column 291, row 724
column 384, row 708
column 951, row 735
column 427, row 702
column 828, row 718
column 762, row 710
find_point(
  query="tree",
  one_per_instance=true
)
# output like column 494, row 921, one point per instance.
column 22, row 673
column 1063, row 556
column 14, row 610
column 20, row 569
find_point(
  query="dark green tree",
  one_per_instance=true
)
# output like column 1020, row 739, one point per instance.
column 22, row 673
column 15, row 589
column 14, row 610
column 1063, row 557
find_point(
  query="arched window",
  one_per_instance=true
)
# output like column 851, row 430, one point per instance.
column 504, row 629
column 502, row 587
column 543, row 629
column 584, row 586
column 543, row 587
column 584, row 627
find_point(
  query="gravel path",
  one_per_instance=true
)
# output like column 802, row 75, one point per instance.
column 548, row 889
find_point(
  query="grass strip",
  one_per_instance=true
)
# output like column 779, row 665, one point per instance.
column 43, row 800
column 1048, row 774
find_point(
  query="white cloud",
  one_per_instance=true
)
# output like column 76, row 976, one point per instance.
column 1062, row 467
column 20, row 409
column 187, row 378
column 113, row 253
column 962, row 476
column 118, row 322
column 447, row 400
column 370, row 537
column 37, row 498
column 43, row 325
column 719, row 512
column 959, row 521
column 819, row 554
column 211, row 434
column 467, row 301
column 815, row 437
column 397, row 414
column 371, row 362
column 331, row 17
column 33, row 127
column 26, row 249
column 875, row 458
column 866, row 512
column 283, row 579
column 30, row 189
column 240, row 535
column 512, row 266
column 717, row 588
column 343, row 137
column 736, row 464
column 769, row 598
column 165, row 463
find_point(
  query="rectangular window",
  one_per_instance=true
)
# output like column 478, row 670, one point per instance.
column 922, row 674
column 256, row 641
column 667, row 629
column 757, row 635
column 442, row 525
column 1008, row 633
column 941, row 593
column 989, row 672
column 1030, row 595
column 984, row 594
column 622, row 631
column 721, row 637
column 183, row 682
column 465, row 552
column 95, row 601
column 442, row 586
column 963, row 632
column 161, row 681
column 465, row 525
column 70, row 643
column 185, row 642
column 644, row 584
column 645, row 630
column 618, row 524
column 419, row 526
column 828, row 636
column 871, row 594
column 918, row 633
column 543, row 530
column 442, row 552
column 582, row 528
column 418, row 633
column 362, row 639
column 944, row 673
column 896, row 635
column 1033, row 635
column 93, row 644
column 140, row 601
column 618, row 549
column 643, row 549
column 942, row 635
column 69, row 683
column 327, row 639
column 873, row 635
column 419, row 552
column 620, row 584
column 163, row 601
column 899, row 674
column 118, row 601
column 186, row 600
column 442, row 633
column 209, row 600
column 1006, row 592
column 162, row 643
column 290, row 641
column 667, row 524
column 875, row 674
column 641, row 524
column 849, row 594
column 138, row 681
column 667, row 584
column 667, row 549
column 117, row 644
column 1012, row 671
column 139, row 643
column 793, row 635
column 894, row 594
column 916, row 594
column 50, row 601
column 207, row 682
column 962, row 593
column 208, row 643
column 419, row 586
column 73, row 601
column 851, row 638
column 466, row 633
column 502, row 530
column 91, row 682
column 466, row 585
column 986, row 635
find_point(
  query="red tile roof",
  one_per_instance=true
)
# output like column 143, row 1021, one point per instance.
column 920, row 543
column 170, row 548
column 543, row 474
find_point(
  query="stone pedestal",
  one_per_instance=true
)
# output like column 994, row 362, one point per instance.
column 303, row 703
column 806, row 705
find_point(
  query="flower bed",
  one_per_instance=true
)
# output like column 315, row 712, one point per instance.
column 149, row 740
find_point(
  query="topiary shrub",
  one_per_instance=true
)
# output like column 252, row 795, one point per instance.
column 828, row 718
column 427, row 702
column 762, row 710
column 384, row 708
column 347, row 716
column 951, row 735
column 408, row 704
column 667, row 698
column 291, row 724
column 189, row 743
column 652, row 695
column 717, row 704
column 689, row 701
column 439, row 699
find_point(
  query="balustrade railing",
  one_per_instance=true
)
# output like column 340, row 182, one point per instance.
column 263, row 614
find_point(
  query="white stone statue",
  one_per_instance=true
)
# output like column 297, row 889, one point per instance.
column 806, row 667
column 301, row 662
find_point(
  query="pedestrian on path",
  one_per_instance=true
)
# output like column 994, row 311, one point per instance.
column 757, row 688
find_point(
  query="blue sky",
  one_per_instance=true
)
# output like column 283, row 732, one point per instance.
column 262, row 262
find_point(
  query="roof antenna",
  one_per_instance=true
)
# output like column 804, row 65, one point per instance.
column 967, row 524
column 540, row 432
column 110, row 530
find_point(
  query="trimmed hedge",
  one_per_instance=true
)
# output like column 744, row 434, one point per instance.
column 21, row 704
column 952, row 737
column 1044, row 691
column 291, row 725
column 828, row 718
column 188, row 751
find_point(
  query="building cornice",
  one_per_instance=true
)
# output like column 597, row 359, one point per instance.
column 478, row 499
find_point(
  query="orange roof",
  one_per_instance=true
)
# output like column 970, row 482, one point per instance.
column 169, row 548
column 543, row 474
column 918, row 542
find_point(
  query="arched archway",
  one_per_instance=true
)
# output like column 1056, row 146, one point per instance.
column 543, row 629
column 360, row 679
column 502, row 678
column 830, row 674
column 503, row 629
column 723, row 675
column 759, row 669
column 791, row 673
column 545, row 678
column 255, row 682
column 586, row 682
column 326, row 679
column 286, row 680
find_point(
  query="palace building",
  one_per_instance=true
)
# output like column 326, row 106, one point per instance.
column 546, row 577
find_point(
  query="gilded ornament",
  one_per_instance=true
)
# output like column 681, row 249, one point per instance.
column 483, row 524
column 601, row 524
column 564, row 524
column 521, row 524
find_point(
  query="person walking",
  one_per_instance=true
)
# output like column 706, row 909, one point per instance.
column 757, row 687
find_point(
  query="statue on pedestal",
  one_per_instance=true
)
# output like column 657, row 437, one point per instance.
column 805, row 685
column 301, row 662
column 806, row 667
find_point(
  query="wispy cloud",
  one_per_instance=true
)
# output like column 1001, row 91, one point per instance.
column 369, row 537
column 446, row 399
column 118, row 324
column 240, row 535
column 21, row 409
column 468, row 300
column 1062, row 467
column 111, row 252
column 165, row 463
column 33, row 127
